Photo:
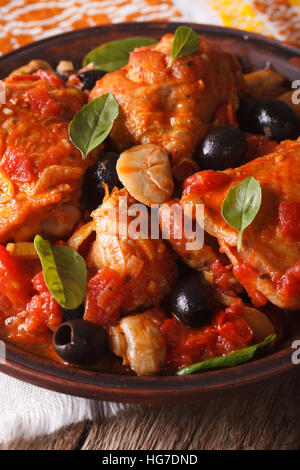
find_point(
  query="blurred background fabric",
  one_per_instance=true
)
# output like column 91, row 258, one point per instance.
column 24, row 21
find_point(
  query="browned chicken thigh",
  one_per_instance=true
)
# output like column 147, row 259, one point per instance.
column 171, row 106
column 40, row 169
column 268, row 264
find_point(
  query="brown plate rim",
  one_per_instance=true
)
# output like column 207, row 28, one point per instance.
column 163, row 389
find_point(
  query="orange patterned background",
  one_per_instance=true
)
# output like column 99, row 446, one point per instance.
column 22, row 21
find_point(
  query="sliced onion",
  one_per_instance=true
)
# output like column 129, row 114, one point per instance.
column 259, row 322
column 78, row 237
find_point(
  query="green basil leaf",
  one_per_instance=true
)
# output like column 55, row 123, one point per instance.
column 230, row 360
column 114, row 55
column 64, row 272
column 241, row 205
column 185, row 42
column 92, row 124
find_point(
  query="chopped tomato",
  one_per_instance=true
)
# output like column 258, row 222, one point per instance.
column 14, row 283
column 204, row 181
column 16, row 165
column 39, row 283
column 289, row 283
column 227, row 333
column 187, row 345
column 222, row 276
column 247, row 276
column 40, row 101
column 43, row 311
column 289, row 219
column 106, row 292
column 233, row 326
column 49, row 77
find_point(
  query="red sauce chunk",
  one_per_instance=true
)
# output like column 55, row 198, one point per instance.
column 204, row 181
column 16, row 165
column 49, row 77
column 39, row 100
column 106, row 292
column 289, row 219
column 247, row 276
column 227, row 333
column 289, row 283
column 222, row 276
column 43, row 311
column 15, row 287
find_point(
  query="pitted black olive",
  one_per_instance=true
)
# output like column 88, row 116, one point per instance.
column 192, row 301
column 223, row 148
column 80, row 342
column 276, row 120
column 101, row 172
column 73, row 314
column 90, row 77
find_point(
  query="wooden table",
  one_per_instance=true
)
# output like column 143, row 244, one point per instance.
column 267, row 419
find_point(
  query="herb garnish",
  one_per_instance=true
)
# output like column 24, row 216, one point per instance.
column 64, row 272
column 185, row 42
column 114, row 55
column 92, row 124
column 241, row 205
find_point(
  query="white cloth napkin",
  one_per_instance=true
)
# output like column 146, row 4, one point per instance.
column 27, row 411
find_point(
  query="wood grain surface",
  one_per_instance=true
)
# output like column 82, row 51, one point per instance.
column 267, row 419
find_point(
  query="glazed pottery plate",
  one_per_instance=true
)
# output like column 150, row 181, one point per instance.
column 255, row 52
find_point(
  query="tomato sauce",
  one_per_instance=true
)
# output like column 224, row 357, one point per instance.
column 289, row 283
column 247, row 276
column 289, row 219
column 227, row 332
column 204, row 181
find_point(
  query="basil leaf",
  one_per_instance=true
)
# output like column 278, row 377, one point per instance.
column 230, row 360
column 92, row 124
column 185, row 42
column 114, row 55
column 241, row 205
column 64, row 272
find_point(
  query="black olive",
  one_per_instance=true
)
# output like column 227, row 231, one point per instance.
column 192, row 301
column 101, row 172
column 224, row 148
column 276, row 120
column 80, row 342
column 245, row 113
column 90, row 77
column 73, row 314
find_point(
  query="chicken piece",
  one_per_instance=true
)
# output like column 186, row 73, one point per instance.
column 203, row 258
column 139, row 341
column 269, row 263
column 171, row 220
column 146, row 262
column 171, row 107
column 40, row 169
